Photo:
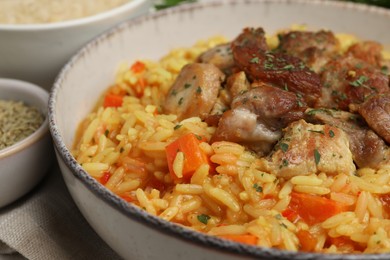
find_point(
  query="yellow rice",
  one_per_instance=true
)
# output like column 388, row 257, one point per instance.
column 128, row 144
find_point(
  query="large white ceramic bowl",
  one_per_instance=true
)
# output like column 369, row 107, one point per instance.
column 36, row 52
column 23, row 164
column 130, row 231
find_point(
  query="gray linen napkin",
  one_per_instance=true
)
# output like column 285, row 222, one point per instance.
column 46, row 224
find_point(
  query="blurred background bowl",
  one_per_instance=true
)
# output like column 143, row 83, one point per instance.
column 129, row 230
column 36, row 52
column 23, row 164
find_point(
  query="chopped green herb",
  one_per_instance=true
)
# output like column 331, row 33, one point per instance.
column 316, row 131
column 199, row 90
column 177, row 127
column 288, row 67
column 283, row 147
column 203, row 218
column 187, row 85
column 359, row 82
column 121, row 150
column 106, row 132
column 257, row 187
column 317, row 156
column 174, row 92
column 284, row 163
column 278, row 216
column 254, row 60
column 198, row 137
column 385, row 70
column 180, row 101
column 331, row 133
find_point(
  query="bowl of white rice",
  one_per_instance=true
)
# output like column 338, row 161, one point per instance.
column 39, row 36
column 25, row 143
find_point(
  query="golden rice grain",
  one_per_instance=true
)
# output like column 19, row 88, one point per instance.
column 127, row 186
column 341, row 218
column 310, row 180
column 95, row 169
column 178, row 164
column 115, row 178
column 228, row 229
column 169, row 213
column 311, row 189
column 189, row 188
column 361, row 205
column 224, row 197
column 343, row 198
column 144, row 201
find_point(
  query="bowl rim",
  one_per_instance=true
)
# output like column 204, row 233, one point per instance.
column 113, row 12
column 131, row 211
column 38, row 134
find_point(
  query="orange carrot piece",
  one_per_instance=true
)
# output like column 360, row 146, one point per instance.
column 104, row 179
column 112, row 100
column 138, row 67
column 314, row 209
column 194, row 157
column 245, row 239
column 307, row 240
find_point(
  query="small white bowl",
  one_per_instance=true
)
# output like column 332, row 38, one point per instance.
column 23, row 164
column 36, row 52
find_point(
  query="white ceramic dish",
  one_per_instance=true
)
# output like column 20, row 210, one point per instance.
column 23, row 164
column 130, row 231
column 36, row 52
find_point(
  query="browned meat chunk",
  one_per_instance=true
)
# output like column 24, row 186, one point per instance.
column 195, row 91
column 237, row 83
column 368, row 149
column 251, row 55
column 348, row 80
column 308, row 149
column 220, row 56
column 258, row 116
column 376, row 112
column 368, row 51
column 315, row 49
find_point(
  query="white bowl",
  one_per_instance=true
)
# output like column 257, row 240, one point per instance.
column 36, row 52
column 23, row 164
column 130, row 231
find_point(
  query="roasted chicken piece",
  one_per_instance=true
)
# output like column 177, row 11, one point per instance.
column 308, row 149
column 252, row 56
column 368, row 51
column 237, row 84
column 376, row 112
column 195, row 91
column 257, row 117
column 315, row 49
column 368, row 149
column 221, row 56
column 348, row 80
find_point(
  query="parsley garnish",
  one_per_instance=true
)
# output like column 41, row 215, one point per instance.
column 199, row 90
column 180, row 101
column 257, row 187
column 289, row 67
column 317, row 156
column 283, row 147
column 203, row 218
column 177, row 127
column 359, row 82
column 106, row 132
column 187, row 85
column 254, row 60
column 331, row 133
column 317, row 131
